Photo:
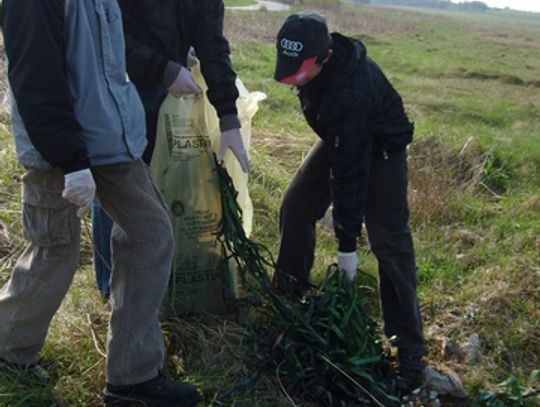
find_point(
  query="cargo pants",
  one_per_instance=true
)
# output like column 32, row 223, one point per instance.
column 142, row 245
column 386, row 219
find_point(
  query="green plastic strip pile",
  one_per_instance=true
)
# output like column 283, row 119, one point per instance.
column 322, row 348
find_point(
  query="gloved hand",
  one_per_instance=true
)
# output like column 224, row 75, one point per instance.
column 79, row 189
column 184, row 84
column 191, row 59
column 348, row 262
column 233, row 140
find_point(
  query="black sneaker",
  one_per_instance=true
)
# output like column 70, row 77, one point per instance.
column 33, row 372
column 158, row 392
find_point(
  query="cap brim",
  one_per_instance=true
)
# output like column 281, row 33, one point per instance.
column 292, row 74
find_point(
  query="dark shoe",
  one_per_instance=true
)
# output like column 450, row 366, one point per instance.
column 158, row 392
column 34, row 372
column 288, row 285
column 411, row 372
column 410, row 380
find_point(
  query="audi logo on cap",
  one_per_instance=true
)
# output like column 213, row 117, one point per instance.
column 290, row 45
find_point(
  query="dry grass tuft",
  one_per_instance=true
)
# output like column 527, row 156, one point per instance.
column 438, row 174
column 242, row 25
column 4, row 239
column 533, row 204
column 209, row 349
column 4, row 93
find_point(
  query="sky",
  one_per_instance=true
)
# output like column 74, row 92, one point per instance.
column 525, row 5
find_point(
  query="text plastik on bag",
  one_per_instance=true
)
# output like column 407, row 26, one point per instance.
column 301, row 39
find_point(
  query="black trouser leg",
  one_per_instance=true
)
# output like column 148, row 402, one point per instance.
column 387, row 217
column 151, row 131
column 306, row 200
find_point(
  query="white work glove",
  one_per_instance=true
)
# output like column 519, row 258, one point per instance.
column 233, row 140
column 80, row 189
column 184, row 84
column 191, row 59
column 348, row 262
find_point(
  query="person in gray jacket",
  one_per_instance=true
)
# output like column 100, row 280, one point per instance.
column 79, row 130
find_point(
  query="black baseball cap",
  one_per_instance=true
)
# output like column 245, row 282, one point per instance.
column 300, row 41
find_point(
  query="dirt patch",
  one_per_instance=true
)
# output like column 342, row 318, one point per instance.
column 533, row 83
column 503, row 78
column 533, row 204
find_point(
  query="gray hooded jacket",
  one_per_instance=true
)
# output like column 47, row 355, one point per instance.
column 73, row 104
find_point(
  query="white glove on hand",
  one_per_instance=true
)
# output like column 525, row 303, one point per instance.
column 233, row 140
column 348, row 262
column 79, row 189
column 191, row 59
column 184, row 84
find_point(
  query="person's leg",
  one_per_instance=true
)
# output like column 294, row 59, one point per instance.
column 44, row 272
column 306, row 201
column 387, row 217
column 101, row 238
column 151, row 132
column 142, row 244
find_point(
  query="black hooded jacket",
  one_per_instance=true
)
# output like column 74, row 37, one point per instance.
column 158, row 36
column 353, row 107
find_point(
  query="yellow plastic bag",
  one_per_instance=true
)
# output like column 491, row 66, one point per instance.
column 183, row 165
column 247, row 105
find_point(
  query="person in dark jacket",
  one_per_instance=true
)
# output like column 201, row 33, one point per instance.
column 359, row 165
column 159, row 35
column 78, row 127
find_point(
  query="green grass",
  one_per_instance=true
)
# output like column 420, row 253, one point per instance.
column 470, row 83
column 237, row 3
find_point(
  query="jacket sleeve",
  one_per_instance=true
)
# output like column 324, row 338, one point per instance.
column 145, row 63
column 212, row 49
column 34, row 42
column 351, row 152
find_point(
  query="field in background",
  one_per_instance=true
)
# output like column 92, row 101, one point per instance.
column 471, row 83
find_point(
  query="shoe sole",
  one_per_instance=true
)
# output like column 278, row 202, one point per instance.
column 113, row 400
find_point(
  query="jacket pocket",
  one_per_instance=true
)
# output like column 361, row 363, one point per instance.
column 109, row 11
column 48, row 219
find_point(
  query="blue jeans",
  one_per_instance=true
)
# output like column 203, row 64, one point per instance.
column 101, row 237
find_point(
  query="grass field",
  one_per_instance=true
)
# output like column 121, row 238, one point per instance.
column 236, row 3
column 471, row 83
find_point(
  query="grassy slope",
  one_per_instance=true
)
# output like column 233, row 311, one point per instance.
column 475, row 200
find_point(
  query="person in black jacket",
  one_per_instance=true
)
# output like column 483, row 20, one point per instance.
column 159, row 35
column 359, row 165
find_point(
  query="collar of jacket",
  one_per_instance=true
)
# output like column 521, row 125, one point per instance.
column 348, row 54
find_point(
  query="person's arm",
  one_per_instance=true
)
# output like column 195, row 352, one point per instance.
column 34, row 43
column 351, row 155
column 212, row 49
column 145, row 63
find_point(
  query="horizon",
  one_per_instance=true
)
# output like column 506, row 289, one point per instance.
column 520, row 5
